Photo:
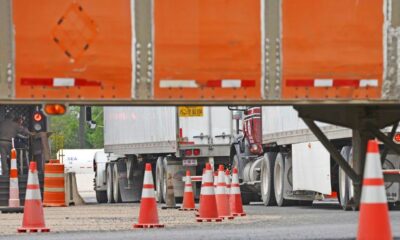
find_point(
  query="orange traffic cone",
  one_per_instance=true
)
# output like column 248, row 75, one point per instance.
column 215, row 180
column 374, row 218
column 188, row 197
column 148, row 215
column 235, row 199
column 228, row 183
column 13, row 201
column 221, row 197
column 33, row 214
column 208, row 207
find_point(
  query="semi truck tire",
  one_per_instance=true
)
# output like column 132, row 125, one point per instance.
column 101, row 196
column 116, row 190
column 246, row 198
column 267, row 179
column 279, row 175
column 109, row 172
column 164, row 179
column 344, row 182
column 160, row 180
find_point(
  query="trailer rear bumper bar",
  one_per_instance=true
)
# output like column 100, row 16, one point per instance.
column 391, row 175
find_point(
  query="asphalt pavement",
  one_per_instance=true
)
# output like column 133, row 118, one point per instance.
column 94, row 221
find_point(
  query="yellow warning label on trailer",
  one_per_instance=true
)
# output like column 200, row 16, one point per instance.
column 190, row 111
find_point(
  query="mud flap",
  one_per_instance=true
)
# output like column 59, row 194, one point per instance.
column 288, row 184
column 131, row 190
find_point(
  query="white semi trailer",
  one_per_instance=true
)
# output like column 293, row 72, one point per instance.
column 79, row 161
column 172, row 139
column 280, row 159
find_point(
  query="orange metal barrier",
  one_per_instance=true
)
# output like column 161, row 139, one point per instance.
column 54, row 185
column 333, row 58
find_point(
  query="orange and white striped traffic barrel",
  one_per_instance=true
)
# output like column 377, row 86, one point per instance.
column 54, row 185
column 13, row 201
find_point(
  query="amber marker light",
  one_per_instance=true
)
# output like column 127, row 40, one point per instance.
column 55, row 109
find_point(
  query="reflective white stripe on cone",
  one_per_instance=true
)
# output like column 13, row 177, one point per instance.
column 374, row 220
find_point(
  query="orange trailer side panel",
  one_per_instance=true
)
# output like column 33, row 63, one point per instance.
column 73, row 49
column 207, row 49
column 332, row 49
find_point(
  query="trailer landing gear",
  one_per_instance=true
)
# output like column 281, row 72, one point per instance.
column 366, row 122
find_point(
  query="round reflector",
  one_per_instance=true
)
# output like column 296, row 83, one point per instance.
column 397, row 137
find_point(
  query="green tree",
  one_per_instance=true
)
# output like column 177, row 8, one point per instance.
column 66, row 127
column 95, row 137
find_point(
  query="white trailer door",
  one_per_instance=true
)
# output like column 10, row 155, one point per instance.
column 205, row 125
column 194, row 124
column 221, row 125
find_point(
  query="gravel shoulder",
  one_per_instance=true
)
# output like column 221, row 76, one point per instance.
column 104, row 221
